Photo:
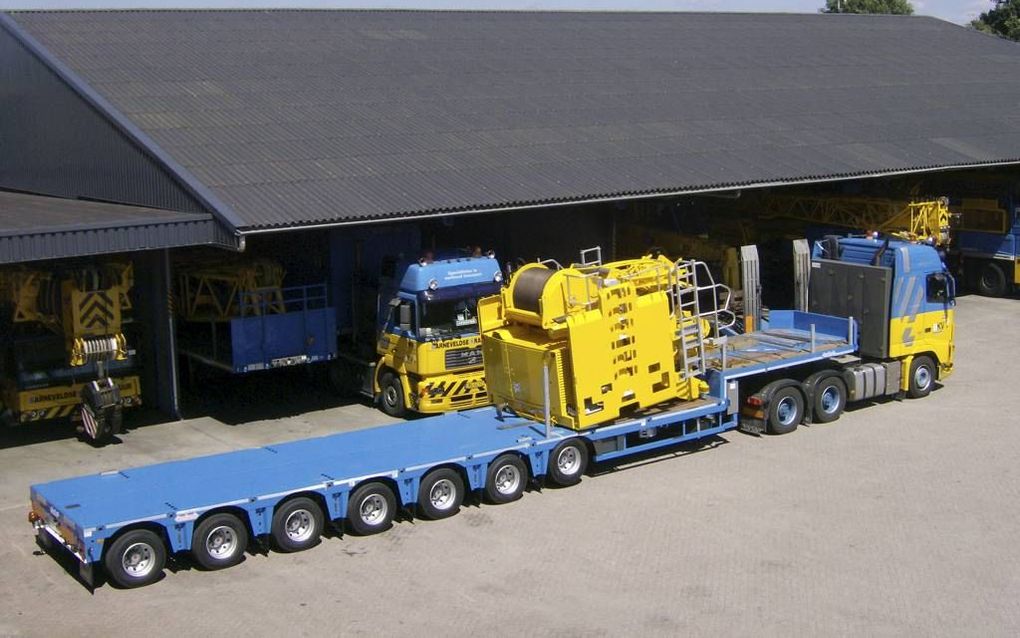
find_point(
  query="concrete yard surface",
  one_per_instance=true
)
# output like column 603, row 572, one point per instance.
column 899, row 519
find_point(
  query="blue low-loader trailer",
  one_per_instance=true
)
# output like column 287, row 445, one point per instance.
column 799, row 366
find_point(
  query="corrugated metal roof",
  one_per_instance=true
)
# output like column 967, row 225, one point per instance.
column 33, row 227
column 302, row 117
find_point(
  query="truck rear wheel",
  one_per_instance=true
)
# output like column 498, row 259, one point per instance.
column 440, row 494
column 829, row 399
column 992, row 280
column 135, row 559
column 786, row 410
column 922, row 377
column 219, row 541
column 391, row 395
column 506, row 479
column 370, row 509
column 567, row 463
column 297, row 525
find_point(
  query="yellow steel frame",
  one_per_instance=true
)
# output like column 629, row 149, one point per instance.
column 222, row 291
column 927, row 220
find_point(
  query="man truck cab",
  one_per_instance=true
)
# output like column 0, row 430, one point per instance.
column 429, row 346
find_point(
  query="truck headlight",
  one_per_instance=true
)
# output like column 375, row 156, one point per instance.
column 498, row 277
column 433, row 284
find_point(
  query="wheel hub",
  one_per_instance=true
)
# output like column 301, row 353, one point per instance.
column 568, row 461
column 221, row 542
column 137, row 560
column 299, row 525
column 786, row 410
column 442, row 494
column 373, row 509
column 922, row 377
column 830, row 400
column 507, row 479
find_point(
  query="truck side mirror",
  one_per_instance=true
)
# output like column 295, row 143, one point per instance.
column 938, row 288
column 404, row 317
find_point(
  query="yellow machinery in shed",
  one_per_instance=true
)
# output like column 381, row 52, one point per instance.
column 647, row 319
column 926, row 221
column 64, row 350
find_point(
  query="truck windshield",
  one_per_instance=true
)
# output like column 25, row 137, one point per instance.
column 448, row 317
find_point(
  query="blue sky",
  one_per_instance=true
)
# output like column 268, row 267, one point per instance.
column 959, row 11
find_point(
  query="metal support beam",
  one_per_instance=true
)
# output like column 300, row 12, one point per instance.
column 801, row 273
column 750, row 276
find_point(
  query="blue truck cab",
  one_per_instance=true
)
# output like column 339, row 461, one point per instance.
column 902, row 294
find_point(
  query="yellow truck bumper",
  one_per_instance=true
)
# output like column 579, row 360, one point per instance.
column 449, row 392
column 56, row 402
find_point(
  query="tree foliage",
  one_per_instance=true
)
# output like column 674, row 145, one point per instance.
column 897, row 7
column 1003, row 19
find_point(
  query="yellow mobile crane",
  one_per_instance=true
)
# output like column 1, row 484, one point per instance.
column 64, row 351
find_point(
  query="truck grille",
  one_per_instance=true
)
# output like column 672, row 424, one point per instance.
column 463, row 357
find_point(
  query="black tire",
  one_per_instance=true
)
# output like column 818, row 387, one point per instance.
column 440, row 494
column 297, row 525
column 786, row 410
column 567, row 463
column 391, row 395
column 828, row 399
column 992, row 281
column 371, row 508
column 135, row 559
column 219, row 541
column 506, row 479
column 922, row 377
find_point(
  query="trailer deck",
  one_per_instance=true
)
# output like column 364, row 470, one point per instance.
column 789, row 338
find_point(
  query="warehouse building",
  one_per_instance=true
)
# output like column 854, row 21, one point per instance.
column 143, row 133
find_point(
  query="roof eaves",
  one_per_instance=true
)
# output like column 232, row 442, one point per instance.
column 218, row 208
column 629, row 195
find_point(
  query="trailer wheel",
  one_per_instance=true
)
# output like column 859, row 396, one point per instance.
column 391, row 395
column 370, row 509
column 829, row 399
column 506, row 479
column 786, row 410
column 219, row 541
column 922, row 377
column 992, row 280
column 567, row 463
column 297, row 525
column 440, row 494
column 135, row 559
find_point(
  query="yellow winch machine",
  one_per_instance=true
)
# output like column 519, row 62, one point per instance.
column 610, row 339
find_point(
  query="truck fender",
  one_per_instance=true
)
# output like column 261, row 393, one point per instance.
column 754, row 408
column 769, row 389
column 381, row 370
